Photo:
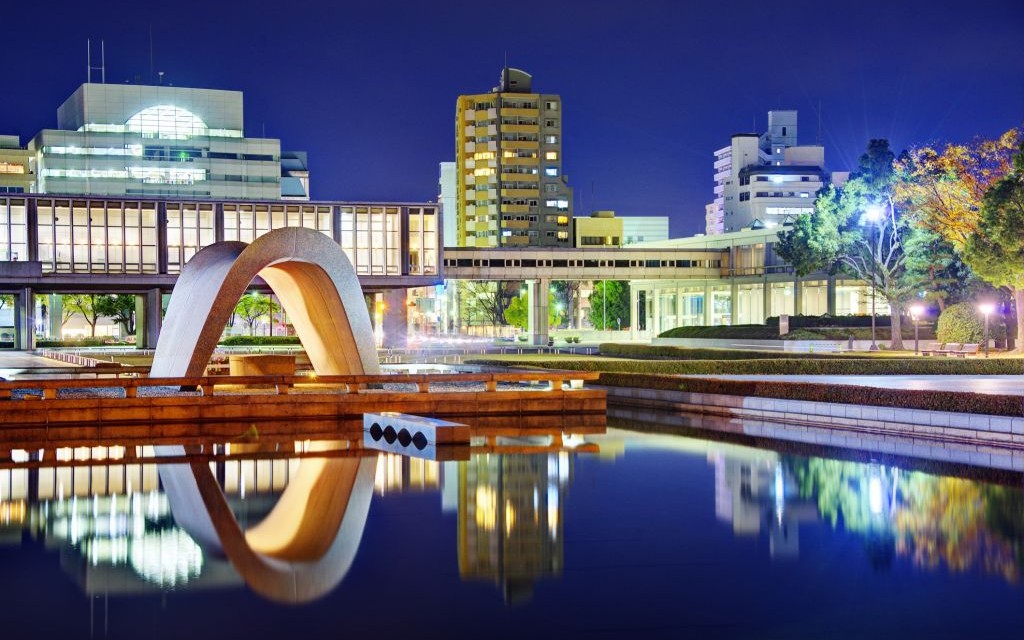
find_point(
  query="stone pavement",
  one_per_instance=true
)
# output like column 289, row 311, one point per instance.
column 996, row 385
column 14, row 362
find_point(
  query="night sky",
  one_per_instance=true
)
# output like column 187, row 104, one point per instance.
column 650, row 89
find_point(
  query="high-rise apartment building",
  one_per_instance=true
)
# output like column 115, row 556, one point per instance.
column 765, row 177
column 128, row 140
column 511, row 190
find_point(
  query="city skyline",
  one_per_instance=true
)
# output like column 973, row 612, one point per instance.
column 370, row 94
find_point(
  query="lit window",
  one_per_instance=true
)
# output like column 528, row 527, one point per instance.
column 7, row 167
column 551, row 155
column 551, row 171
column 551, row 139
column 563, row 219
column 484, row 171
column 166, row 121
column 483, row 155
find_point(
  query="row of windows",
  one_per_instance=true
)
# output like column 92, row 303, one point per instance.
column 586, row 264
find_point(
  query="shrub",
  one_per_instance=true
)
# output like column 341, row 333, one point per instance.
column 962, row 322
column 259, row 341
column 698, row 353
column 80, row 342
column 960, row 402
column 782, row 366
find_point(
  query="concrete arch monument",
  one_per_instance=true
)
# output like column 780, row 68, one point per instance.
column 305, row 545
column 311, row 276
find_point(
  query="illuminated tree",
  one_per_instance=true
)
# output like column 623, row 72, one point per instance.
column 615, row 314
column 840, row 236
column 995, row 251
column 120, row 309
column 518, row 312
column 252, row 307
column 83, row 304
column 942, row 191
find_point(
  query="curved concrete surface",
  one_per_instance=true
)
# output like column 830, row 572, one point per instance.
column 306, row 544
column 311, row 276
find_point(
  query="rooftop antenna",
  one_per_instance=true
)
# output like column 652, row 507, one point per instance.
column 88, row 62
column 151, row 53
column 818, row 140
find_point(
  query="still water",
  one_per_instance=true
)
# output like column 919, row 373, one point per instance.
column 621, row 534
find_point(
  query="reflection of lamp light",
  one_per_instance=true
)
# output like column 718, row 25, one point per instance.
column 875, row 495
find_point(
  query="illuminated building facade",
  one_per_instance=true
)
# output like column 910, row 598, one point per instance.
column 140, row 140
column 55, row 244
column 765, row 177
column 511, row 190
column 17, row 166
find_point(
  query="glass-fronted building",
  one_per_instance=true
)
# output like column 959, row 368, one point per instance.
column 754, row 284
column 142, row 140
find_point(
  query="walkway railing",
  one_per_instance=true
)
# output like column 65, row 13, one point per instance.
column 207, row 385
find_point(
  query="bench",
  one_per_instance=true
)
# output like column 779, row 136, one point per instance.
column 968, row 350
column 932, row 348
column 951, row 349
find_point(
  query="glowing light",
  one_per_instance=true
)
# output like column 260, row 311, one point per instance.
column 166, row 121
column 874, row 213
column 875, row 495
column 987, row 308
column 917, row 311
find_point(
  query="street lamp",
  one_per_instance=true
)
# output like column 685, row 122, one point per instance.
column 986, row 308
column 915, row 313
column 872, row 215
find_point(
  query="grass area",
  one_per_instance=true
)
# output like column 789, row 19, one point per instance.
column 765, row 366
column 660, row 352
column 961, row 402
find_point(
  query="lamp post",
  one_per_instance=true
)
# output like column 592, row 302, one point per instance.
column 986, row 309
column 872, row 215
column 915, row 313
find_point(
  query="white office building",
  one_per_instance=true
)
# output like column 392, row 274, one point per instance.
column 143, row 140
column 448, row 198
column 764, row 178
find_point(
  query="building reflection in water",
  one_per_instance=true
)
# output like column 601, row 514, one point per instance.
column 510, row 519
column 104, row 510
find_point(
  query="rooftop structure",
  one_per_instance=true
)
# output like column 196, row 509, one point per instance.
column 142, row 140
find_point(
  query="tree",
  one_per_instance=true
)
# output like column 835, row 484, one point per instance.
column 568, row 292
column 120, row 309
column 616, row 294
column 943, row 190
column 83, row 304
column 252, row 306
column 996, row 250
column 839, row 236
column 485, row 302
column 6, row 299
column 518, row 312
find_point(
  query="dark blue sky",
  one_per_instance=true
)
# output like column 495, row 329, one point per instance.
column 650, row 88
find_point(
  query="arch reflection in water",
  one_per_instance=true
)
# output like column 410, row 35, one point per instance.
column 303, row 548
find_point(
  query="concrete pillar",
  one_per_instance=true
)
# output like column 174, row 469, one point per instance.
column 798, row 298
column 734, row 302
column 396, row 319
column 24, row 320
column 655, row 320
column 148, row 323
column 537, row 295
column 831, row 295
column 679, row 307
column 707, row 304
column 634, row 312
column 55, row 315
column 767, row 300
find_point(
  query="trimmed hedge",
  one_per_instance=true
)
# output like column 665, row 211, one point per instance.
column 641, row 351
column 960, row 402
column 81, row 342
column 797, row 322
column 762, row 332
column 259, row 341
column 803, row 366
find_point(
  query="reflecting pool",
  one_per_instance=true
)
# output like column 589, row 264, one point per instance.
column 620, row 534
